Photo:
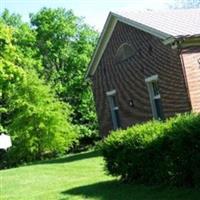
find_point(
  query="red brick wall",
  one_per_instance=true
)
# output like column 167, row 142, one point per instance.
column 192, row 70
column 128, row 78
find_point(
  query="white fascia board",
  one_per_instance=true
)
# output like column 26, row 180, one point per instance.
column 190, row 45
column 169, row 40
column 102, row 43
column 183, row 41
column 190, row 41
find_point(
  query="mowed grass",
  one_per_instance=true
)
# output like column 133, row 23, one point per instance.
column 79, row 177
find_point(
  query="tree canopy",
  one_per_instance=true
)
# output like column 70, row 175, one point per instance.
column 65, row 44
column 42, row 67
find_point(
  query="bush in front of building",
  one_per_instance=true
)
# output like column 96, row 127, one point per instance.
column 156, row 152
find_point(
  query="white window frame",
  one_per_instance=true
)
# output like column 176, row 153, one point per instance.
column 152, row 97
column 113, row 108
column 110, row 93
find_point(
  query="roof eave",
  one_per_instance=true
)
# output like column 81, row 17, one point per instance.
column 101, row 44
column 183, row 41
column 189, row 41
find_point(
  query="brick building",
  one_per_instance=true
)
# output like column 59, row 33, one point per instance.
column 146, row 65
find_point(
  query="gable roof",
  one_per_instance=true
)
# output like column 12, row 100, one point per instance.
column 176, row 23
column 166, row 25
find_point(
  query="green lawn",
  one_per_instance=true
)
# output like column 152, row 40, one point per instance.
column 78, row 177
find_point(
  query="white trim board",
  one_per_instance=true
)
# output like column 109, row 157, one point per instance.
column 151, row 78
column 111, row 93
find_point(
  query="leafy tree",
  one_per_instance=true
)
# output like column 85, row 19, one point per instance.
column 66, row 44
column 36, row 120
column 24, row 40
column 13, row 20
column 58, row 46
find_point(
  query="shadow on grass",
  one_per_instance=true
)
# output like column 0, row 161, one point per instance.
column 115, row 190
column 72, row 158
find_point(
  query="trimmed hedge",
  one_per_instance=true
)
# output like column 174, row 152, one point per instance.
column 156, row 152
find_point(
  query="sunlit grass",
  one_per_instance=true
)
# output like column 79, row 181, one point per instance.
column 79, row 177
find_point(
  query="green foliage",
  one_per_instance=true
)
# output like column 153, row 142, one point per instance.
column 37, row 122
column 13, row 20
column 156, row 152
column 182, row 144
column 86, row 138
column 65, row 45
column 42, row 68
column 2, row 129
column 125, row 150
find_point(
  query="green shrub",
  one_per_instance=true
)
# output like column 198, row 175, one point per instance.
column 37, row 122
column 182, row 139
column 156, row 152
column 125, row 150
column 86, row 138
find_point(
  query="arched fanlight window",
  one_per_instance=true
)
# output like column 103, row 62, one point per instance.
column 124, row 52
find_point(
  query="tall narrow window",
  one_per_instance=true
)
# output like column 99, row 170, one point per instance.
column 114, row 109
column 154, row 95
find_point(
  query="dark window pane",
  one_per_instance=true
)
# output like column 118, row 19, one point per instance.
column 159, row 110
column 117, row 118
column 155, row 88
column 114, row 101
column 114, row 111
